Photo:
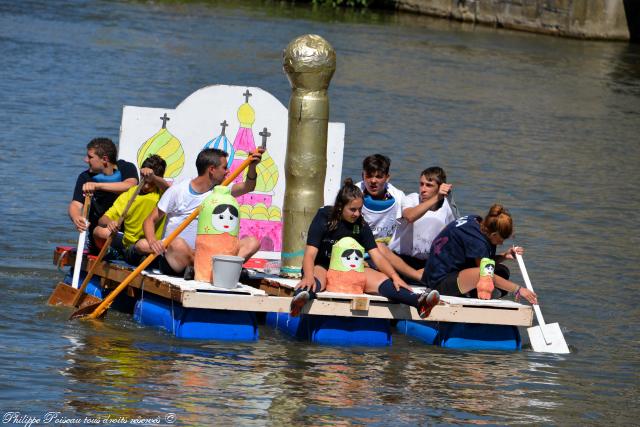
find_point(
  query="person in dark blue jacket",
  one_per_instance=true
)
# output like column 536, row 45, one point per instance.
column 453, row 267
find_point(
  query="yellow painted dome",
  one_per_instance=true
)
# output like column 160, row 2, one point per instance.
column 167, row 146
column 245, row 211
column 267, row 174
column 246, row 115
column 260, row 212
column 275, row 214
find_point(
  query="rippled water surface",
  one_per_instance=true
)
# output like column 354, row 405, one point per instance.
column 547, row 126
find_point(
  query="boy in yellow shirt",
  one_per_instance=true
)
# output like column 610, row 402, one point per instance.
column 133, row 251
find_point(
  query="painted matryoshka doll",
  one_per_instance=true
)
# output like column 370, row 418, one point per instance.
column 485, row 283
column 346, row 268
column 218, row 227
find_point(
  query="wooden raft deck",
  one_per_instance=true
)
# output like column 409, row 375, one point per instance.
column 268, row 293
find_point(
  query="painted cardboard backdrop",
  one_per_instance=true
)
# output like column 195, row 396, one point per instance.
column 231, row 118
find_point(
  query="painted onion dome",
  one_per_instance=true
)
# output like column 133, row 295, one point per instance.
column 267, row 174
column 247, row 117
column 167, row 146
column 246, row 113
column 221, row 142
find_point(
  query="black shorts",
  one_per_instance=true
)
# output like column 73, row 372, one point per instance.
column 449, row 285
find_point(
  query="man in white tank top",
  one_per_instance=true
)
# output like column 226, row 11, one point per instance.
column 424, row 215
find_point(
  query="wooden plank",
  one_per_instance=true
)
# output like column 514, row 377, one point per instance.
column 382, row 310
column 360, row 304
column 201, row 295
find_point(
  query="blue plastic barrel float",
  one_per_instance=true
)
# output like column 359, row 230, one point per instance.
column 333, row 330
column 195, row 323
column 463, row 336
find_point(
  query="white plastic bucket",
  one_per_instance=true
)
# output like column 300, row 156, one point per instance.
column 226, row 270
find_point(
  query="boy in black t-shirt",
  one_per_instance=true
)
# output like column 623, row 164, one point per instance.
column 104, row 180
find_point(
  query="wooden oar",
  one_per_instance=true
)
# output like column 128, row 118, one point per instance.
column 105, row 247
column 546, row 338
column 60, row 293
column 96, row 311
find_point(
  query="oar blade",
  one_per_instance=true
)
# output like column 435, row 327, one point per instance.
column 65, row 295
column 86, row 311
column 553, row 335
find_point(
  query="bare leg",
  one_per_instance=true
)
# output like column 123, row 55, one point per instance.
column 374, row 279
column 398, row 263
column 321, row 274
column 100, row 235
column 468, row 279
column 179, row 254
column 142, row 246
column 248, row 247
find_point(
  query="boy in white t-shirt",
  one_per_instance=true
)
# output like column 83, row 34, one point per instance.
column 383, row 202
column 424, row 215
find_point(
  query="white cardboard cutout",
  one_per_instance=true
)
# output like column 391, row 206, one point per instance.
column 197, row 122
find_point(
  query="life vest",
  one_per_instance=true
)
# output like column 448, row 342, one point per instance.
column 218, row 227
column 346, row 268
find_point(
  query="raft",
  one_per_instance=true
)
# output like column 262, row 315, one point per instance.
column 199, row 310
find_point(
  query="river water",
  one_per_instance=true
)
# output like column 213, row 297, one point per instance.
column 547, row 126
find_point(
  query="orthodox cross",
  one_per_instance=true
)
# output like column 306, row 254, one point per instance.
column 246, row 95
column 224, row 124
column 264, row 134
column 164, row 119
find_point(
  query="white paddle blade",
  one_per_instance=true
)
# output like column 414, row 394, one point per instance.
column 75, row 281
column 554, row 336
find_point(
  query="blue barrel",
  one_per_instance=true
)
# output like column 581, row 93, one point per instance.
column 196, row 323
column 472, row 336
column 426, row 332
column 463, row 336
column 334, row 330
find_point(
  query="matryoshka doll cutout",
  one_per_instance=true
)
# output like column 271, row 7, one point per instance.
column 218, row 227
column 485, row 283
column 346, row 268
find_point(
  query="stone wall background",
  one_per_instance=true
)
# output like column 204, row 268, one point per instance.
column 595, row 19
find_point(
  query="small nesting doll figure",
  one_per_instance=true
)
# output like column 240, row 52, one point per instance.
column 346, row 268
column 218, row 227
column 485, row 283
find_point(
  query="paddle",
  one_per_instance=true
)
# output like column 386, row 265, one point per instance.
column 546, row 338
column 105, row 247
column 64, row 292
column 95, row 311
column 81, row 241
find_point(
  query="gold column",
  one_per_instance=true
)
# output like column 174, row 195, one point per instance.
column 309, row 62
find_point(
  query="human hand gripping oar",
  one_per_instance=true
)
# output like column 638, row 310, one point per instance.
column 545, row 337
column 105, row 247
column 95, row 311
